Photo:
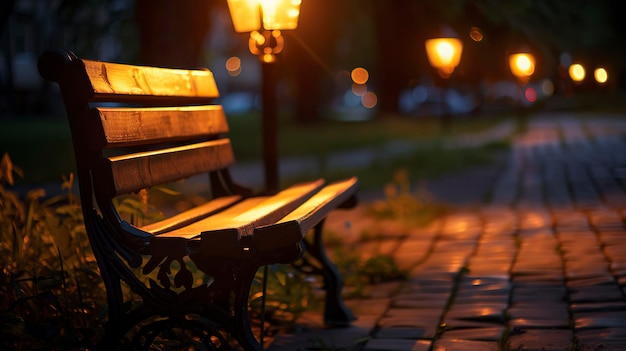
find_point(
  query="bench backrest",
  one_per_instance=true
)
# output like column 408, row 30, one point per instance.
column 161, row 128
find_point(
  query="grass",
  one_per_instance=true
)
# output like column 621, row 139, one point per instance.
column 42, row 147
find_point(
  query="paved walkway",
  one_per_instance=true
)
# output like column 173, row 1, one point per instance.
column 540, row 266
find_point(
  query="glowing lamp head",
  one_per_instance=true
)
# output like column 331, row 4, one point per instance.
column 444, row 54
column 601, row 75
column 251, row 15
column 522, row 66
column 577, row 72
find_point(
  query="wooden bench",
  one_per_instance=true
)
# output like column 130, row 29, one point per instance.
column 163, row 128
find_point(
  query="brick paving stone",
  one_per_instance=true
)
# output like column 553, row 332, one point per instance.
column 546, row 275
column 539, row 291
column 412, row 251
column 383, row 290
column 602, row 339
column 464, row 345
column 427, row 325
column 477, row 311
column 598, row 306
column 367, row 307
column 599, row 293
column 426, row 285
column 490, row 333
column 541, row 339
column 455, row 324
column 397, row 345
column 484, row 284
column 586, row 269
column 418, row 313
column 540, row 323
column 602, row 280
column 429, row 301
column 400, row 333
column 595, row 320
column 539, row 310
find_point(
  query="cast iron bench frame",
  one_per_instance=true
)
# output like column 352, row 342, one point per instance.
column 163, row 129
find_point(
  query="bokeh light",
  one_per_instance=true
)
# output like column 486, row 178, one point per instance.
column 476, row 34
column 601, row 75
column 360, row 75
column 444, row 54
column 547, row 87
column 369, row 99
column 359, row 89
column 522, row 66
column 577, row 72
column 530, row 94
column 233, row 66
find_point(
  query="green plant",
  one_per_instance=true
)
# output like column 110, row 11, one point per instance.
column 401, row 204
column 50, row 288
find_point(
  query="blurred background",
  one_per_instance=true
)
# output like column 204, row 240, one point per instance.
column 385, row 38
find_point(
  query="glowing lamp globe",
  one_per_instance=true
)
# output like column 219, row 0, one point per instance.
column 252, row 15
column 444, row 54
column 522, row 66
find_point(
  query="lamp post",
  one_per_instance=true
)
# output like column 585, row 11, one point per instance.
column 444, row 54
column 522, row 65
column 577, row 72
column 264, row 20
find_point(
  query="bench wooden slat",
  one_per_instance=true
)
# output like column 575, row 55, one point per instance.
column 127, row 83
column 221, row 233
column 292, row 228
column 191, row 215
column 121, row 127
column 129, row 173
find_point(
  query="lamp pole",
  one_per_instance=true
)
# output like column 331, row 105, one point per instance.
column 265, row 19
column 444, row 54
column 267, row 45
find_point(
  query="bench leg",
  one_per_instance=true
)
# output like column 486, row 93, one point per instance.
column 336, row 313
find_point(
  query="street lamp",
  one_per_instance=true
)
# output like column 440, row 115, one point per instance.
column 444, row 54
column 264, row 20
column 522, row 66
column 577, row 72
column 601, row 75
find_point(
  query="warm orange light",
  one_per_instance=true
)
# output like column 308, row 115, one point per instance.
column 360, row 75
column 444, row 54
column 280, row 14
column 369, row 100
column 476, row 34
column 601, row 75
column 577, row 72
column 359, row 89
column 522, row 66
column 249, row 15
column 233, row 66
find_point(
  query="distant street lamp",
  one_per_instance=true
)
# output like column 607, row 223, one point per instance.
column 265, row 19
column 577, row 72
column 522, row 66
column 444, row 54
column 601, row 75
